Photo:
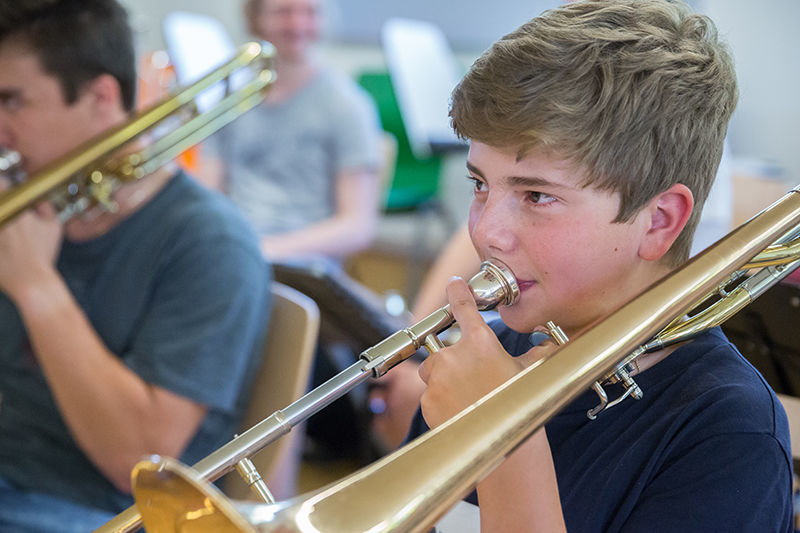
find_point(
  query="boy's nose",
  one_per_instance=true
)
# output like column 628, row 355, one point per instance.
column 300, row 20
column 492, row 228
column 5, row 136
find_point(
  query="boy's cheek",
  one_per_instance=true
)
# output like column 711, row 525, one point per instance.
column 520, row 317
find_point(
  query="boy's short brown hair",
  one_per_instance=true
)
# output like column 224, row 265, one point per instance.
column 252, row 9
column 75, row 41
column 636, row 92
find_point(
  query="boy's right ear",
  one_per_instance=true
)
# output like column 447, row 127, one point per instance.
column 668, row 212
column 105, row 95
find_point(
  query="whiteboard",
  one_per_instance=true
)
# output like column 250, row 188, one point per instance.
column 469, row 25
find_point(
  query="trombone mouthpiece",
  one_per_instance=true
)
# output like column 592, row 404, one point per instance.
column 494, row 285
column 10, row 166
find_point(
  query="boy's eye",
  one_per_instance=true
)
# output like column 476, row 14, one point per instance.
column 540, row 197
column 11, row 102
column 477, row 185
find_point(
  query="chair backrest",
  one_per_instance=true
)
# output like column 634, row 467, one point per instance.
column 423, row 71
column 765, row 333
column 197, row 44
column 413, row 180
column 282, row 378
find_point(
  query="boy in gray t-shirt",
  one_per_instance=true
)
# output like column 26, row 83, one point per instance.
column 284, row 160
column 303, row 166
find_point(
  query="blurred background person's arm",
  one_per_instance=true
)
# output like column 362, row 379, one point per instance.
column 395, row 397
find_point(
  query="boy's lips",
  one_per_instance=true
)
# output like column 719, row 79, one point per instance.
column 525, row 284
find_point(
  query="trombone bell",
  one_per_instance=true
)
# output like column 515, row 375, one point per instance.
column 172, row 498
column 493, row 285
column 427, row 476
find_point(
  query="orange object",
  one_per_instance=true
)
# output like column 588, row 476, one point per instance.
column 156, row 80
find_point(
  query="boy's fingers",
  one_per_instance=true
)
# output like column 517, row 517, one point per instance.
column 537, row 353
column 45, row 209
column 424, row 370
column 462, row 305
column 545, row 342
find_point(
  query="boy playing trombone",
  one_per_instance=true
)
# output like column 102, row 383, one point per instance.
column 595, row 131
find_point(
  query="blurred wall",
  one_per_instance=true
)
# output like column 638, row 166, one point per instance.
column 146, row 17
column 766, row 46
column 763, row 36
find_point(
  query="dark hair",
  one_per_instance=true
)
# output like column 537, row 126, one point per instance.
column 75, row 40
column 638, row 93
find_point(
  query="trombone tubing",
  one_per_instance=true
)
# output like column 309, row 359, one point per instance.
column 491, row 286
column 433, row 472
column 57, row 173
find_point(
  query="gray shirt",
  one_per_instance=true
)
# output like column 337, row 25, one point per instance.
column 282, row 158
column 179, row 292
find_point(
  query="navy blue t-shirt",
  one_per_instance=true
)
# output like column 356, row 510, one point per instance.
column 179, row 291
column 706, row 449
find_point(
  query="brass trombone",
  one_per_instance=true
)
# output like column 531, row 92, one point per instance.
column 89, row 175
column 433, row 472
column 493, row 285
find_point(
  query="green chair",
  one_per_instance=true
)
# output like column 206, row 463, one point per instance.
column 414, row 184
column 414, row 181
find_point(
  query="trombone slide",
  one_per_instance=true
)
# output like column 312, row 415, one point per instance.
column 493, row 285
column 431, row 473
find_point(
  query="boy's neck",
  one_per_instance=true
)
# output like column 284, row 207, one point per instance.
column 649, row 360
column 625, row 290
column 651, row 273
column 128, row 199
column 291, row 76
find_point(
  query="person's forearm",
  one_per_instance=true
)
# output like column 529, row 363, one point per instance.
column 458, row 258
column 334, row 237
column 350, row 229
column 114, row 416
column 522, row 493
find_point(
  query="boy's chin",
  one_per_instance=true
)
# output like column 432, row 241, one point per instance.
column 517, row 320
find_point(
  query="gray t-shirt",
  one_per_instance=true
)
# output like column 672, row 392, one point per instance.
column 180, row 292
column 282, row 159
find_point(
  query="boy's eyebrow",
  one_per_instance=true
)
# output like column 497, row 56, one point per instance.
column 472, row 168
column 6, row 93
column 521, row 181
column 533, row 181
